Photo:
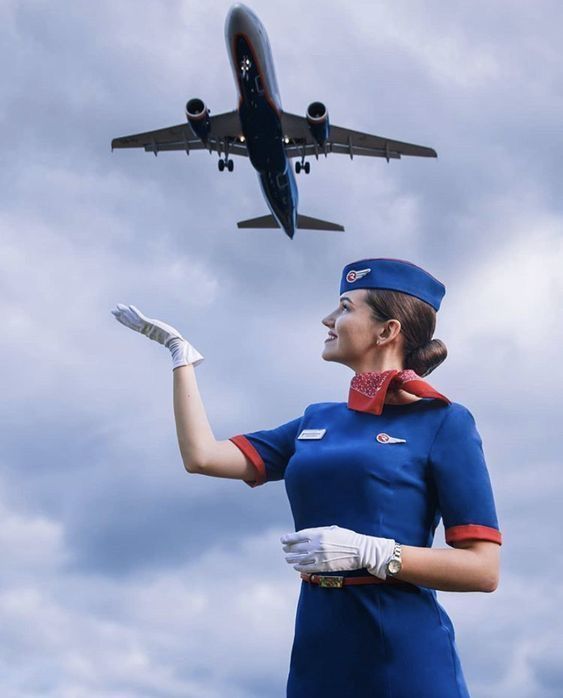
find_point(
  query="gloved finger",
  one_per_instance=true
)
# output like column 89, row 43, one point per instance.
column 301, row 559
column 292, row 538
column 126, row 319
column 302, row 535
column 135, row 318
column 120, row 315
column 309, row 567
column 302, row 547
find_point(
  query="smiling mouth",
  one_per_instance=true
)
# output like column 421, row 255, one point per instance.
column 330, row 338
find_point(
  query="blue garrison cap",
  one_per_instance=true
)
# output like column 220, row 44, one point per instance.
column 393, row 275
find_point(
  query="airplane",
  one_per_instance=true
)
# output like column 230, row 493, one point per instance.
column 260, row 130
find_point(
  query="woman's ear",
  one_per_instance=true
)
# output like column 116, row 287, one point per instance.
column 391, row 330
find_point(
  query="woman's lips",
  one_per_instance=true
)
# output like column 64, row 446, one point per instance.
column 330, row 338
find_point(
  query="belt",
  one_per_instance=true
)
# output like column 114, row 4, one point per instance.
column 335, row 582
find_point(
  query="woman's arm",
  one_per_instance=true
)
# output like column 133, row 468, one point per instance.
column 201, row 452
column 332, row 549
column 472, row 566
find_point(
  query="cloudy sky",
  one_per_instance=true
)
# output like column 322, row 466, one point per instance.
column 123, row 576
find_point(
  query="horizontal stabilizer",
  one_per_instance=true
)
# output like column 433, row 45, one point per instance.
column 261, row 222
column 303, row 222
column 308, row 223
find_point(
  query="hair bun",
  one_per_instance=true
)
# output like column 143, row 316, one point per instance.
column 425, row 358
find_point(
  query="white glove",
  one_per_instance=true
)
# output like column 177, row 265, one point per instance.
column 331, row 549
column 182, row 351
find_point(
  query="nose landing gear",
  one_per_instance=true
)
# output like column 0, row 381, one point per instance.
column 245, row 66
column 305, row 166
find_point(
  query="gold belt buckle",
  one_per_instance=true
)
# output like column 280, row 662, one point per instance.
column 329, row 582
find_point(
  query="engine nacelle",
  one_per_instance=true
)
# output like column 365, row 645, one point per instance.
column 317, row 118
column 197, row 114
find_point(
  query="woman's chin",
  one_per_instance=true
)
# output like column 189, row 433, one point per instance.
column 328, row 354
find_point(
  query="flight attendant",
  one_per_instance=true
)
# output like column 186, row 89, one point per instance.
column 368, row 481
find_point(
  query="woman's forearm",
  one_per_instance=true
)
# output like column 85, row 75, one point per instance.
column 195, row 437
column 474, row 568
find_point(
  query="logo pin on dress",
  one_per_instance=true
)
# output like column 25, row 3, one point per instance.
column 384, row 438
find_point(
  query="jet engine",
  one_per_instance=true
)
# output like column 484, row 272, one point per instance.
column 317, row 118
column 197, row 114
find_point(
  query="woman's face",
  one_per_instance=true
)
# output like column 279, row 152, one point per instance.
column 352, row 331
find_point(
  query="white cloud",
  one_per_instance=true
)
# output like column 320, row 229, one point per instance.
column 502, row 316
column 226, row 617
column 433, row 39
column 503, row 636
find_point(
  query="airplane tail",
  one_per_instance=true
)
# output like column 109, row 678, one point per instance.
column 303, row 223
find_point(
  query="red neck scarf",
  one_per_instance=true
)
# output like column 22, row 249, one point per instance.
column 368, row 391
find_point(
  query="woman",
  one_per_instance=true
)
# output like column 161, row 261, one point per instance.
column 367, row 480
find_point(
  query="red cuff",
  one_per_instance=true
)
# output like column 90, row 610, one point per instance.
column 253, row 456
column 472, row 532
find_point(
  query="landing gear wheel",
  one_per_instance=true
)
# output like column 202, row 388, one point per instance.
column 307, row 167
column 297, row 167
column 230, row 165
column 221, row 165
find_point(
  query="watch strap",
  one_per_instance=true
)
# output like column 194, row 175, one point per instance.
column 396, row 556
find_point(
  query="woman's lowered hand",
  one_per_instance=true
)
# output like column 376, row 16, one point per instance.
column 332, row 549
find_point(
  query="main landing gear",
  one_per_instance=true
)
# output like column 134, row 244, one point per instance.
column 228, row 163
column 306, row 166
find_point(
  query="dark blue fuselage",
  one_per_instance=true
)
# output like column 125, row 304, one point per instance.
column 259, row 111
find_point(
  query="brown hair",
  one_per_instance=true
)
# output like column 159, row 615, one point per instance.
column 418, row 321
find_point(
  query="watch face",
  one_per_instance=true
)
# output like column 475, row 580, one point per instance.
column 394, row 566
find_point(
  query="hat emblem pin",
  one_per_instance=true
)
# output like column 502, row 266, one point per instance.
column 356, row 274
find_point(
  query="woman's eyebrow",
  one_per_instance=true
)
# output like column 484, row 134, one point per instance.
column 345, row 298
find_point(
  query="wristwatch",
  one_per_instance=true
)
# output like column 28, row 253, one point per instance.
column 393, row 565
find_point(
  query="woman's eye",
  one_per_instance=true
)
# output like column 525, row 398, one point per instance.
column 345, row 307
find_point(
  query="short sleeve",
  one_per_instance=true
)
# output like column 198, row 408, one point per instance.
column 463, row 485
column 269, row 450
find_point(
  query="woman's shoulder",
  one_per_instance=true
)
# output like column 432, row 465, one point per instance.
column 455, row 416
column 436, row 415
column 324, row 407
column 457, row 408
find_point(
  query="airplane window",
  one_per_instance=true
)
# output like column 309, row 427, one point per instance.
column 258, row 84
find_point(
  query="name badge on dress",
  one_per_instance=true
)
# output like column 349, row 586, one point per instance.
column 312, row 434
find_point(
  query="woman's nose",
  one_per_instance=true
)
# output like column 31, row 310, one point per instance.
column 328, row 321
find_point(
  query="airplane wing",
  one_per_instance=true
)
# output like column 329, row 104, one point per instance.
column 344, row 141
column 224, row 131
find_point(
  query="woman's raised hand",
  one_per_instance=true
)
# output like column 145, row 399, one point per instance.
column 183, row 353
column 132, row 317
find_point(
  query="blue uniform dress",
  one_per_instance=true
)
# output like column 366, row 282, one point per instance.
column 378, row 640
